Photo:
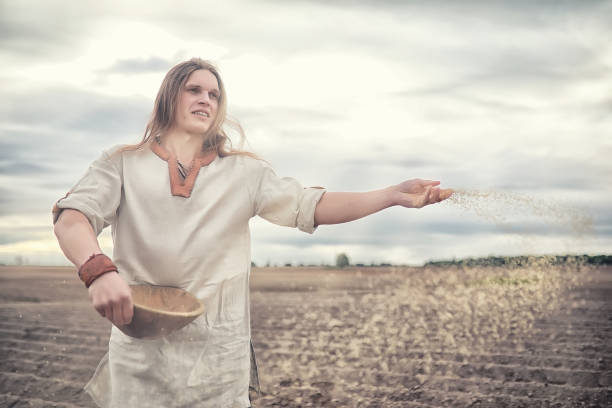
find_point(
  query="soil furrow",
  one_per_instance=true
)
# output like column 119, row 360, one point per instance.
column 68, row 357
column 55, row 330
column 412, row 366
column 56, row 390
column 13, row 401
column 35, row 336
column 47, row 369
column 50, row 347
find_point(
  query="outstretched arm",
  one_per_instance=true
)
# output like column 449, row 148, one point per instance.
column 336, row 208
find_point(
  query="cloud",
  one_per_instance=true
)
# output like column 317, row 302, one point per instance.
column 46, row 31
column 140, row 65
column 12, row 152
column 23, row 234
column 45, row 150
column 28, row 200
column 525, row 171
column 15, row 168
column 284, row 115
column 63, row 113
column 11, row 202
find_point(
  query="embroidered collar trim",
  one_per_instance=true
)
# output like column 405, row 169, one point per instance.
column 178, row 186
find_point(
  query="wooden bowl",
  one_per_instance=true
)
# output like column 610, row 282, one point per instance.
column 160, row 310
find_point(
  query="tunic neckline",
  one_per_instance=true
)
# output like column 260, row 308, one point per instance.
column 179, row 186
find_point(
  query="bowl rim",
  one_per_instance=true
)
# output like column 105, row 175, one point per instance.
column 193, row 313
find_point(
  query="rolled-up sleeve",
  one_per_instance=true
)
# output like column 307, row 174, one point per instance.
column 284, row 201
column 97, row 194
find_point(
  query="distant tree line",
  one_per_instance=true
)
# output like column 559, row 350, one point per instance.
column 342, row 260
column 527, row 260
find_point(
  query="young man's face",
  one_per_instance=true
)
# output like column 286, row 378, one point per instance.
column 198, row 102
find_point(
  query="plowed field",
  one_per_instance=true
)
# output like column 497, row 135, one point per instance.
column 391, row 337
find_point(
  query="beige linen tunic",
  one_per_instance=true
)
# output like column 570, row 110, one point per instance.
column 199, row 243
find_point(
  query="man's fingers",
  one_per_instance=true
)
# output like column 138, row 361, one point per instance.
column 437, row 194
column 111, row 297
column 108, row 312
column 426, row 197
column 446, row 193
column 429, row 182
column 101, row 311
column 120, row 311
column 127, row 310
column 434, row 195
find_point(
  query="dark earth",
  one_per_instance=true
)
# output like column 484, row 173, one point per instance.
column 537, row 336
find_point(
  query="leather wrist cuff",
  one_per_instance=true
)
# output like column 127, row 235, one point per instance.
column 96, row 266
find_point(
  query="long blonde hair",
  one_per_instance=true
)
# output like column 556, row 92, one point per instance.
column 164, row 111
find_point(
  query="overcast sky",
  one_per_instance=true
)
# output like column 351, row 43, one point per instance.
column 509, row 100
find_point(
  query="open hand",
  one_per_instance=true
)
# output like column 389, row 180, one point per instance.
column 112, row 298
column 418, row 193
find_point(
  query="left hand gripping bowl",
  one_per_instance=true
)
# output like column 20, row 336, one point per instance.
column 160, row 310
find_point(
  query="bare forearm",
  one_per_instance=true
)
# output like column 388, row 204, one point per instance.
column 76, row 237
column 110, row 294
column 336, row 208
